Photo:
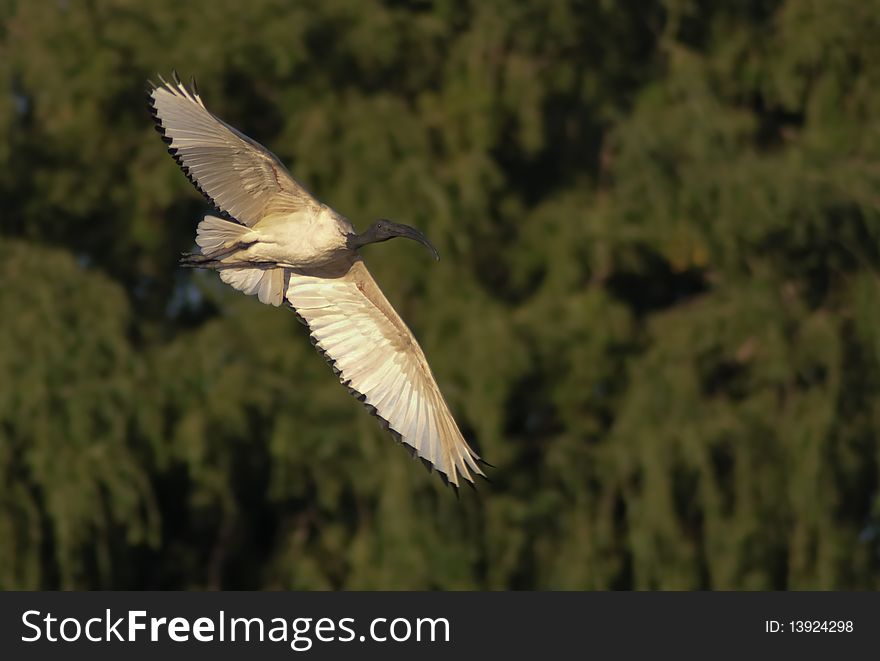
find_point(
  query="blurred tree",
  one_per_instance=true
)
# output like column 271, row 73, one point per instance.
column 656, row 313
column 76, row 490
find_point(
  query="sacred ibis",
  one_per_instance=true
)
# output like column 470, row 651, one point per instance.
column 278, row 242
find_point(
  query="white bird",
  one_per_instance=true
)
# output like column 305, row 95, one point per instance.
column 283, row 245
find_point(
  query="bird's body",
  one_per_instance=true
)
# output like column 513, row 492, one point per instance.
column 300, row 240
column 304, row 240
column 284, row 246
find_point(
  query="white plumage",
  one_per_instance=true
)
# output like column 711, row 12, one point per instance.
column 281, row 244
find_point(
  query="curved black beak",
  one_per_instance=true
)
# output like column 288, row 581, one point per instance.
column 412, row 233
column 383, row 229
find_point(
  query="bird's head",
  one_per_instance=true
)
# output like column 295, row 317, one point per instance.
column 384, row 229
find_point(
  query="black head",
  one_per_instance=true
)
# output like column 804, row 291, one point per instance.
column 384, row 229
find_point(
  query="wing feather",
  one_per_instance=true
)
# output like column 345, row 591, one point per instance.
column 378, row 358
column 237, row 174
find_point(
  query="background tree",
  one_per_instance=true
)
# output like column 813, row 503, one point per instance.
column 656, row 312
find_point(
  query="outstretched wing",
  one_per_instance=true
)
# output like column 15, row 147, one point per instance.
column 237, row 175
column 377, row 357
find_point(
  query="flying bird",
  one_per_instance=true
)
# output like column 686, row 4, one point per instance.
column 276, row 241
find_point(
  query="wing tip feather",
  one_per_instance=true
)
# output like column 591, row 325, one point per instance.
column 385, row 424
column 169, row 141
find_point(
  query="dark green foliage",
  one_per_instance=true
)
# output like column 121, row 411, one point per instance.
column 657, row 311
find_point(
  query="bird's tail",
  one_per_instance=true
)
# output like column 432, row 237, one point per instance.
column 219, row 239
column 216, row 236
